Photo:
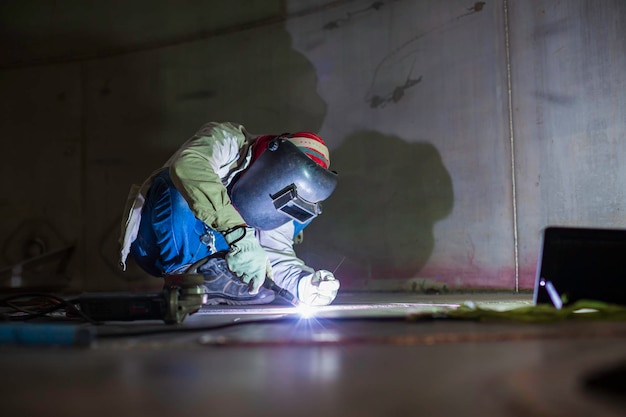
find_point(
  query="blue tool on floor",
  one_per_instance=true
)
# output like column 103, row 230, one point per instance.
column 45, row 334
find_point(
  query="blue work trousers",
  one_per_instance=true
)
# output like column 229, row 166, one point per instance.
column 170, row 237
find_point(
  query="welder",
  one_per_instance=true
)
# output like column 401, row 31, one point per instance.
column 231, row 203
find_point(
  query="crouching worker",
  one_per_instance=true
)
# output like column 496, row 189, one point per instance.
column 233, row 202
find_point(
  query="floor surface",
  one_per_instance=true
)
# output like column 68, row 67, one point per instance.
column 370, row 354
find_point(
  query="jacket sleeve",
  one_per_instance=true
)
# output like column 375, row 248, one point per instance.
column 198, row 168
column 287, row 268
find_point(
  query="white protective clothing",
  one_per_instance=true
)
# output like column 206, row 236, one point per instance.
column 201, row 170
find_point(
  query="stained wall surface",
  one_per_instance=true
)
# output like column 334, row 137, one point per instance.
column 459, row 129
column 569, row 117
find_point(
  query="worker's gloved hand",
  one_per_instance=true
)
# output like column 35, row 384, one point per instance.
column 246, row 258
column 318, row 289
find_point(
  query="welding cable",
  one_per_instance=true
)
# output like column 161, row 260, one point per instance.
column 33, row 306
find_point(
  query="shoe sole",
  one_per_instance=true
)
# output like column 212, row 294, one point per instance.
column 237, row 302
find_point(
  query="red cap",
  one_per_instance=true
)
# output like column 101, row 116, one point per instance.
column 312, row 145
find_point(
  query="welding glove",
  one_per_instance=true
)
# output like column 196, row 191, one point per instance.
column 246, row 258
column 318, row 289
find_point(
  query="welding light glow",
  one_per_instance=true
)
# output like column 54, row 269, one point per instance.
column 305, row 311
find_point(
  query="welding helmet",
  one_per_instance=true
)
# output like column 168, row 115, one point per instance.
column 281, row 185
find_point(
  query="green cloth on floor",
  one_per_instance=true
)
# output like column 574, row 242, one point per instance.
column 580, row 310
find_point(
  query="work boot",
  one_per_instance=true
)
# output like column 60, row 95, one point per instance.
column 221, row 286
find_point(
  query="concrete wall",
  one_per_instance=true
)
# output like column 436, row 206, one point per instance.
column 459, row 129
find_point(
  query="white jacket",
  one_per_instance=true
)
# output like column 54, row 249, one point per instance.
column 201, row 170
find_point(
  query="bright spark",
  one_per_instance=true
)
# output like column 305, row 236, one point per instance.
column 305, row 311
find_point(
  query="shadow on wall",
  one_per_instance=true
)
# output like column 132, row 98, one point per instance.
column 379, row 222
